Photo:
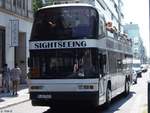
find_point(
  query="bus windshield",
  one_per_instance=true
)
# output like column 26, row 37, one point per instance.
column 65, row 23
column 71, row 63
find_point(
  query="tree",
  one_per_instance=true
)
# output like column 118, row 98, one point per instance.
column 39, row 3
column 36, row 4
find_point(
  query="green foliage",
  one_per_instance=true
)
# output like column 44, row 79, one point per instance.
column 36, row 4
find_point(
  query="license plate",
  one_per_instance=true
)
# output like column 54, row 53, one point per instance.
column 45, row 96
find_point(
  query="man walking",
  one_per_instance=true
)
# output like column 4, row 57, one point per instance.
column 5, row 79
column 15, row 77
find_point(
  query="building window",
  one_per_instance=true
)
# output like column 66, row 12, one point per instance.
column 24, row 4
column 14, row 3
column 101, row 5
column 112, row 16
column 19, row 3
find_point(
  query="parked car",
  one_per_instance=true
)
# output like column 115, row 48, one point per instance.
column 137, row 67
column 144, row 67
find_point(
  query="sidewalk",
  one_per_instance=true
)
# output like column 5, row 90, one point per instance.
column 145, row 109
column 6, row 99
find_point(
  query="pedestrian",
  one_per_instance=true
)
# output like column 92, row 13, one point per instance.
column 5, row 78
column 15, row 77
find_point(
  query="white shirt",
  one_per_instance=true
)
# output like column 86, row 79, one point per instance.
column 15, row 73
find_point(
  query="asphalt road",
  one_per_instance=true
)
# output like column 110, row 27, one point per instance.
column 135, row 102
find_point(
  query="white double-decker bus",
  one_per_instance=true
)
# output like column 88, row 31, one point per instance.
column 74, row 60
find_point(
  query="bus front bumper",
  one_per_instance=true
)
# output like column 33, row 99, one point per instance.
column 48, row 99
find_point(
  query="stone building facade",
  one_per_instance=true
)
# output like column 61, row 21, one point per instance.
column 15, row 26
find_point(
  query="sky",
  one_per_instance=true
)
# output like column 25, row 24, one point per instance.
column 137, row 12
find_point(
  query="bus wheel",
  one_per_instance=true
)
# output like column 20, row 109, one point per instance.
column 108, row 97
column 127, row 88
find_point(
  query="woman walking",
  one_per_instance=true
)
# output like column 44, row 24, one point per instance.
column 15, row 77
column 5, row 79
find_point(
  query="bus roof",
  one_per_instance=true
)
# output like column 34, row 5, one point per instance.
column 66, row 5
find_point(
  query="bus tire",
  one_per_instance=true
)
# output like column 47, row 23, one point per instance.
column 127, row 88
column 108, row 97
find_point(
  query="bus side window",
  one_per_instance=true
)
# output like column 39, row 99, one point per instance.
column 119, row 65
column 104, row 59
column 102, row 63
column 101, row 31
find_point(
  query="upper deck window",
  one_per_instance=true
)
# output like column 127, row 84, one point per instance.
column 65, row 23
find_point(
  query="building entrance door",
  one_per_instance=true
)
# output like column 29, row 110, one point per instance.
column 20, row 56
column 2, row 52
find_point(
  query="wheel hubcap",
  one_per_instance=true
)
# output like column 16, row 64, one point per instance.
column 109, row 95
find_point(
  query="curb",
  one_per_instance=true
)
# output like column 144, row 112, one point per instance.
column 6, row 106
column 21, row 98
column 145, row 110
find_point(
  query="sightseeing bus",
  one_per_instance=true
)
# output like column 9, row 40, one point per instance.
column 73, row 59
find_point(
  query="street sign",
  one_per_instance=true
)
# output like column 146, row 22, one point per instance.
column 14, row 32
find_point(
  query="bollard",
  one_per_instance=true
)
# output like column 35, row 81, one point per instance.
column 148, row 96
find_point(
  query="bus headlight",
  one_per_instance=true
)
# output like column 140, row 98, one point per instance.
column 36, row 87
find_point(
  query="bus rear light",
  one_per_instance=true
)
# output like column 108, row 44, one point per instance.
column 86, row 87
